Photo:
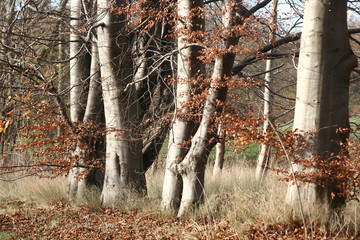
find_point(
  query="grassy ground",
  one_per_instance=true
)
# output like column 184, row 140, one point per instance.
column 236, row 207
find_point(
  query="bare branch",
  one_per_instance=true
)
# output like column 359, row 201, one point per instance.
column 257, row 7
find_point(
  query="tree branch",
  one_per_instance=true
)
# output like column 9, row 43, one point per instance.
column 354, row 30
column 250, row 58
column 256, row 7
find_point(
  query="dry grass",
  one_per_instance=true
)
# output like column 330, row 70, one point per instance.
column 234, row 196
column 34, row 189
column 237, row 196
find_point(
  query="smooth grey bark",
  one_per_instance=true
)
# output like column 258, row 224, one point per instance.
column 77, row 74
column 192, row 168
column 94, row 101
column 189, row 67
column 92, row 153
column 325, row 63
column 79, row 63
column 123, row 166
column 141, row 63
column 220, row 151
column 265, row 149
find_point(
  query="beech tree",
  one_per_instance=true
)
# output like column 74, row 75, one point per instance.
column 192, row 168
column 79, row 72
column 220, row 151
column 325, row 63
column 190, row 165
column 89, row 149
column 126, row 74
column 8, row 11
column 265, row 149
column 77, row 146
column 123, row 166
column 189, row 68
column 143, row 80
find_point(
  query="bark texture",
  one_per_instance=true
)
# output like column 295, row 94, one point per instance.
column 325, row 63
column 192, row 168
column 123, row 167
column 79, row 63
column 93, row 144
column 188, row 68
column 220, row 152
column 90, row 147
column 79, row 74
column 265, row 149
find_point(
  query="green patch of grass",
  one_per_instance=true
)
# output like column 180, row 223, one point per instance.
column 7, row 235
column 355, row 123
column 249, row 153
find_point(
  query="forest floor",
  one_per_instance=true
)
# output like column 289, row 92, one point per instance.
column 59, row 220
column 236, row 206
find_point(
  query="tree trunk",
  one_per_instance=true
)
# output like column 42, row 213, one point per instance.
column 79, row 72
column 264, row 156
column 220, row 151
column 8, row 10
column 188, row 68
column 325, row 63
column 94, row 143
column 79, row 64
column 192, row 168
column 123, row 167
column 60, row 71
column 5, row 39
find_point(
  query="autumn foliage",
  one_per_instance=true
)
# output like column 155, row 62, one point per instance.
column 39, row 137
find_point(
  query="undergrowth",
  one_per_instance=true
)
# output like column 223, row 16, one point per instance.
column 234, row 197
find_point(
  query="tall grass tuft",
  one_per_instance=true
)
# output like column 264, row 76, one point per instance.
column 238, row 197
column 39, row 190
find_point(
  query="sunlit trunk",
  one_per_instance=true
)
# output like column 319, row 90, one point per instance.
column 123, row 167
column 220, row 151
column 79, row 64
column 188, row 68
column 93, row 116
column 192, row 168
column 325, row 63
column 79, row 72
column 264, row 156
